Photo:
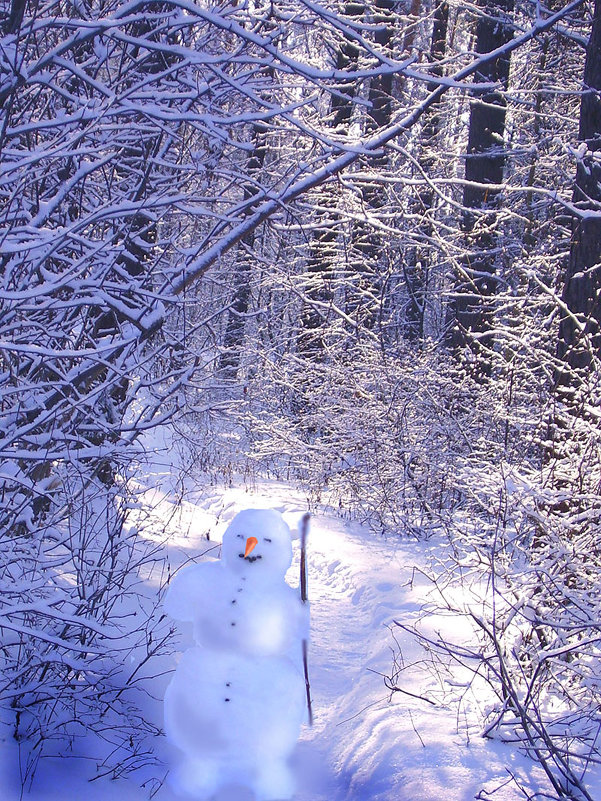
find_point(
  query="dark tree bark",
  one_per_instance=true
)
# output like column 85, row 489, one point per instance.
column 380, row 90
column 365, row 299
column 471, row 309
column 580, row 329
column 233, row 339
column 15, row 18
column 416, row 266
column 347, row 56
column 324, row 246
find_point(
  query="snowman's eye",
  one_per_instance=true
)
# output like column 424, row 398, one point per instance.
column 240, row 536
column 266, row 539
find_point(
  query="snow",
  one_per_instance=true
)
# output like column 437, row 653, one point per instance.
column 367, row 743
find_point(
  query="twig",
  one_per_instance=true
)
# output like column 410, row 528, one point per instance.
column 304, row 598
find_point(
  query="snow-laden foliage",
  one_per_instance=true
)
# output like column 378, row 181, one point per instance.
column 76, row 630
column 314, row 157
column 130, row 137
column 505, row 434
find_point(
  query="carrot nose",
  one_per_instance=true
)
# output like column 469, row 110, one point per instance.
column 250, row 544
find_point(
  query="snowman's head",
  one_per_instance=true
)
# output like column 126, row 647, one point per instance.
column 270, row 558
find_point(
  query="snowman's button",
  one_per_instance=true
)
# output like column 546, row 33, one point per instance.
column 232, row 624
column 234, row 601
column 226, row 699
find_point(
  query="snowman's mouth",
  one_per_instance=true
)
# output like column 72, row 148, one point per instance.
column 250, row 558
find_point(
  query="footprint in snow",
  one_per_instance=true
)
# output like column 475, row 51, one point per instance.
column 333, row 567
column 357, row 596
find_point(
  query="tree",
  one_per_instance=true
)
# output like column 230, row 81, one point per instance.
column 580, row 327
column 471, row 311
column 365, row 296
column 416, row 261
column 325, row 251
column 233, row 339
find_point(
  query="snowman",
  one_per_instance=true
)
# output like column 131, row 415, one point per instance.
column 236, row 701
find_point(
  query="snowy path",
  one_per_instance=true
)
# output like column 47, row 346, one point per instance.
column 380, row 749
column 376, row 748
column 362, row 747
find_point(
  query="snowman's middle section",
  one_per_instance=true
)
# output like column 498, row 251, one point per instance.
column 246, row 615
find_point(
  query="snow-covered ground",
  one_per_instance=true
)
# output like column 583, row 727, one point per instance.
column 366, row 743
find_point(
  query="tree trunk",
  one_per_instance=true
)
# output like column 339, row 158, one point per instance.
column 347, row 56
column 365, row 301
column 17, row 10
column 324, row 249
column 233, row 339
column 580, row 329
column 416, row 267
column 471, row 310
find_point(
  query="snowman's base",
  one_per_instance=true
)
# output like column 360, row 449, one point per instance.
column 234, row 792
column 274, row 782
column 207, row 780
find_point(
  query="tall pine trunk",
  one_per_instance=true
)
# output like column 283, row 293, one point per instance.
column 364, row 301
column 471, row 309
column 233, row 339
column 580, row 326
column 324, row 248
column 416, row 266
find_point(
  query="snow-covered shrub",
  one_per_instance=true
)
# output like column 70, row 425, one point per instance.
column 524, row 547
column 385, row 438
column 528, row 582
column 75, row 628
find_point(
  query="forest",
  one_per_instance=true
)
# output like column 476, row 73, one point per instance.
column 352, row 246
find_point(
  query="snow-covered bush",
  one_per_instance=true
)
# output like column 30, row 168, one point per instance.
column 525, row 552
column 305, row 153
column 76, row 629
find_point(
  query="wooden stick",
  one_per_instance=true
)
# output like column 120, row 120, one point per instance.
column 303, row 557
column 304, row 598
